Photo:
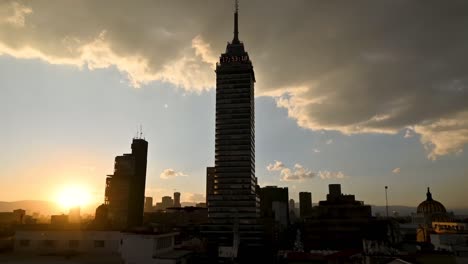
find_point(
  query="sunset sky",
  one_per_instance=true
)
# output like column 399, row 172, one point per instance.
column 362, row 93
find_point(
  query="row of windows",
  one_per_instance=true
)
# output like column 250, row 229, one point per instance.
column 53, row 243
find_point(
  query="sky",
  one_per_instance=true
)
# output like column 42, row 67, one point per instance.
column 363, row 93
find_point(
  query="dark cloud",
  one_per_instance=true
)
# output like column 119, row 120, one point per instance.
column 351, row 66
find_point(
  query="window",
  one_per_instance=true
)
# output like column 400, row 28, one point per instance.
column 98, row 243
column 164, row 242
column 74, row 243
column 24, row 243
column 49, row 243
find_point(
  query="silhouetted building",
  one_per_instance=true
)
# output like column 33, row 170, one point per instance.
column 15, row 217
column 305, row 204
column 177, row 199
column 167, row 202
column 233, row 205
column 148, row 204
column 292, row 205
column 341, row 222
column 59, row 220
column 101, row 218
column 210, row 176
column 125, row 189
column 274, row 204
column 200, row 205
column 74, row 215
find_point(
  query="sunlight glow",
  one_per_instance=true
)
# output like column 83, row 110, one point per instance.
column 72, row 196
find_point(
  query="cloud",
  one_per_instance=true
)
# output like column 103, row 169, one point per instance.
column 409, row 133
column 277, row 166
column 328, row 142
column 300, row 173
column 196, row 197
column 331, row 175
column 372, row 68
column 13, row 13
column 316, row 150
column 396, row 171
column 170, row 173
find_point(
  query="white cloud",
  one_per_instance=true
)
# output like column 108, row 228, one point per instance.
column 170, row 173
column 278, row 165
column 328, row 142
column 409, row 133
column 331, row 175
column 396, row 171
column 444, row 136
column 316, row 150
column 298, row 173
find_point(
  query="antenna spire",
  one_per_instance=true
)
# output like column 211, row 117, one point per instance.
column 236, row 26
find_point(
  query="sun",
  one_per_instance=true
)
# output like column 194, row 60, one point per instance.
column 73, row 196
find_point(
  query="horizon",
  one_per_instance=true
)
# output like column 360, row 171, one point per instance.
column 380, row 110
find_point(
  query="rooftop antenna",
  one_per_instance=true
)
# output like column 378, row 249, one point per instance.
column 236, row 27
column 141, row 131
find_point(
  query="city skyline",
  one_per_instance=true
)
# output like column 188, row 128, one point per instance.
column 85, row 96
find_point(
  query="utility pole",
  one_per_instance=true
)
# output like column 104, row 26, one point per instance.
column 386, row 200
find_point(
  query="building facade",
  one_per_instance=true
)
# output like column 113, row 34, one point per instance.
column 274, row 204
column 125, row 189
column 177, row 199
column 232, row 200
column 305, row 204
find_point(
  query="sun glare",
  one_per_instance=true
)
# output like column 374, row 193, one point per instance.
column 72, row 196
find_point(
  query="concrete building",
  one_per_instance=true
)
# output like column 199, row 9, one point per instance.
column 141, row 248
column 59, row 220
column 305, row 204
column 125, row 189
column 74, row 215
column 15, row 217
column 148, row 204
column 132, row 247
column 177, row 199
column 274, row 204
column 167, row 202
column 62, row 241
column 341, row 222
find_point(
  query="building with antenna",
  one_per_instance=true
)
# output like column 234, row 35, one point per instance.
column 233, row 201
column 125, row 189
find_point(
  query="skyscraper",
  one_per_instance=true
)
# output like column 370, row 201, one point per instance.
column 177, row 199
column 148, row 204
column 125, row 189
column 305, row 204
column 234, row 200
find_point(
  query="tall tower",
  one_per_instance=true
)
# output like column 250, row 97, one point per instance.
column 177, row 199
column 125, row 189
column 234, row 200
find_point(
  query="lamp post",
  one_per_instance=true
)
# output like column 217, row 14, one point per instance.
column 386, row 200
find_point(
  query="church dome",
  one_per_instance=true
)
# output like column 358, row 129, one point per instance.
column 430, row 206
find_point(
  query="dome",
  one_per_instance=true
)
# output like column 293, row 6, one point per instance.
column 430, row 206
